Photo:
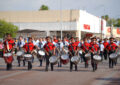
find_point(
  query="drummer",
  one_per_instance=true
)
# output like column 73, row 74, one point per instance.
column 111, row 48
column 20, row 45
column 60, row 49
column 8, row 48
column 28, row 48
column 49, row 50
column 40, row 47
column 73, row 50
column 105, row 53
column 101, row 46
column 94, row 49
column 85, row 49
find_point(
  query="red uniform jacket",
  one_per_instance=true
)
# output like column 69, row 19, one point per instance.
column 11, row 44
column 85, row 46
column 105, row 44
column 77, row 42
column 49, row 46
column 94, row 47
column 55, row 40
column 111, row 46
column 73, row 46
column 29, row 47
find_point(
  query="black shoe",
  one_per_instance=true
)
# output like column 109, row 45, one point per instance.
column 46, row 70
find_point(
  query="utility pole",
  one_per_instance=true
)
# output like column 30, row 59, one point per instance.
column 61, row 24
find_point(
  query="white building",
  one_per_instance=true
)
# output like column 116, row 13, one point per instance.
column 77, row 23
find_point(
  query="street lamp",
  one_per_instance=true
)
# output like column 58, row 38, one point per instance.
column 61, row 17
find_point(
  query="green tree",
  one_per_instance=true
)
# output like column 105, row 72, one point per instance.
column 44, row 7
column 117, row 22
column 6, row 27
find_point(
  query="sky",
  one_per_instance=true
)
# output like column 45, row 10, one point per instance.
column 95, row 7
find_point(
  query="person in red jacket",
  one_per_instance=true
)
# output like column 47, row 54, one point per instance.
column 8, row 48
column 94, row 48
column 112, row 48
column 77, row 41
column 85, row 49
column 55, row 39
column 50, row 50
column 105, row 53
column 73, row 49
column 28, row 48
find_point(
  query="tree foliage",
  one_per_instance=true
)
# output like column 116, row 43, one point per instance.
column 44, row 7
column 6, row 27
column 111, row 21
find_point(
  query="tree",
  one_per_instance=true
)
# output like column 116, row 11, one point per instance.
column 117, row 22
column 6, row 27
column 44, row 7
column 111, row 21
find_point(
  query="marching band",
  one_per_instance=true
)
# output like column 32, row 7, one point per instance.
column 56, row 51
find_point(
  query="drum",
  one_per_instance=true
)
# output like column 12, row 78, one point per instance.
column 34, row 52
column 64, row 59
column 7, row 54
column 20, row 55
column 88, row 56
column 41, row 53
column 113, row 56
column 28, row 57
column 97, row 58
column 75, row 59
column 53, row 60
column 8, row 57
column 80, row 51
column 66, row 49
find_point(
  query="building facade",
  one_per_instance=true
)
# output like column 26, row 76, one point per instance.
column 76, row 23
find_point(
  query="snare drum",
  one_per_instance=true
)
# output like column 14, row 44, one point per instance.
column 7, row 54
column 113, row 56
column 75, row 59
column 27, row 57
column 19, row 53
column 97, row 58
column 64, row 59
column 41, row 53
column 53, row 60
column 88, row 56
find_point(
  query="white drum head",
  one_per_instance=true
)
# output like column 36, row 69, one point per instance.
column 74, row 58
column 87, row 55
column 80, row 51
column 53, row 59
column 113, row 55
column 19, row 53
column 41, row 52
column 97, row 57
column 8, row 54
column 28, row 55
column 64, row 57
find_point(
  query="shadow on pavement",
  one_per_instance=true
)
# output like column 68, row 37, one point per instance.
column 112, row 81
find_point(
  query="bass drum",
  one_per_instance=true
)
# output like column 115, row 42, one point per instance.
column 113, row 56
column 97, row 58
column 64, row 59
column 53, row 60
column 75, row 59
column 27, row 57
column 88, row 56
